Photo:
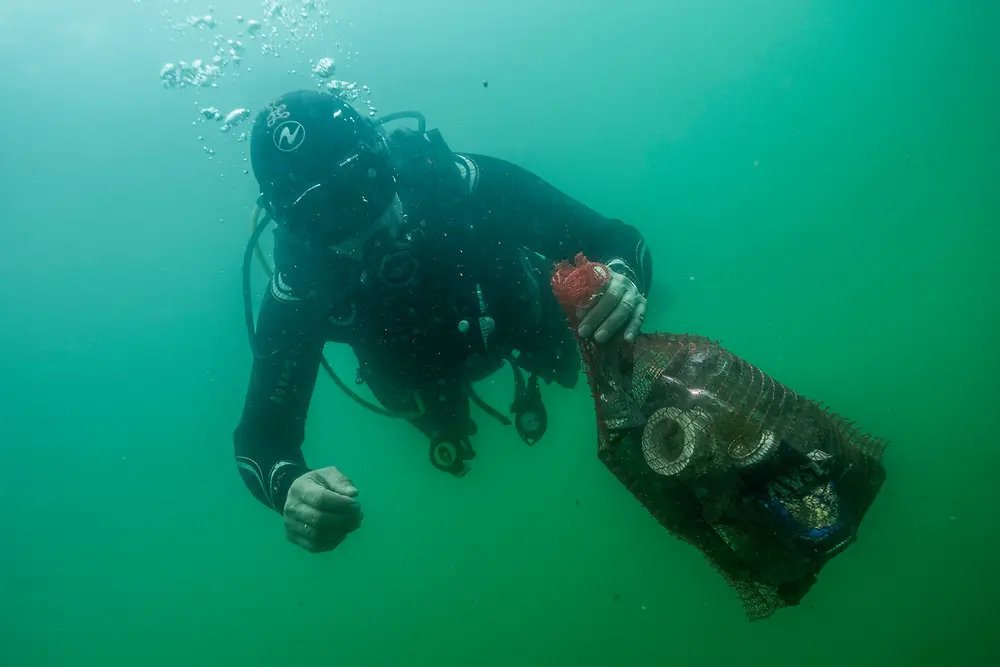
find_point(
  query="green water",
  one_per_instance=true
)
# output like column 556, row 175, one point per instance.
column 817, row 181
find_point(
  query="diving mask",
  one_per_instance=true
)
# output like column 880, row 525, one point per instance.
column 383, row 230
column 342, row 206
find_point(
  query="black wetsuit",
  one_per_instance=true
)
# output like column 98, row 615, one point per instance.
column 484, row 238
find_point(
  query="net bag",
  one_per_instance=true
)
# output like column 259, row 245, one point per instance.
column 768, row 485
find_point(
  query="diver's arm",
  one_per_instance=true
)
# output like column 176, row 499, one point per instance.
column 271, row 431
column 537, row 215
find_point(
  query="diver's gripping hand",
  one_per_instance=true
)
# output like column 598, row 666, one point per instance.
column 321, row 510
column 619, row 304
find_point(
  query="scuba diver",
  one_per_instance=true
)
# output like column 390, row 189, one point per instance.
column 432, row 266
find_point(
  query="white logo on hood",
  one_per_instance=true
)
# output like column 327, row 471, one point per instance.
column 289, row 136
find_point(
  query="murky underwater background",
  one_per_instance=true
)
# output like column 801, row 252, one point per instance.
column 817, row 181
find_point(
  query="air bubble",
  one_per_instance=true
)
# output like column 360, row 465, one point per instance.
column 324, row 68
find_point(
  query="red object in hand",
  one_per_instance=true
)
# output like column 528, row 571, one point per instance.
column 576, row 285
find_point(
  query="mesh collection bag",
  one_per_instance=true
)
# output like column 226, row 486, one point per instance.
column 768, row 485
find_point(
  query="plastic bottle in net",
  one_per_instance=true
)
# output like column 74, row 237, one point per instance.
column 767, row 484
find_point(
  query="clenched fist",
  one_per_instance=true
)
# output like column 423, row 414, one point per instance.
column 321, row 510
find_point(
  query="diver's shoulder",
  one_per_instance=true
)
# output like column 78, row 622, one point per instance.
column 486, row 172
column 469, row 170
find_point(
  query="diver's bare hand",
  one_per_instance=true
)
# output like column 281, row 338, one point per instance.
column 321, row 510
column 619, row 304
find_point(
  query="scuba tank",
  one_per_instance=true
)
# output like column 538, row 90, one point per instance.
column 426, row 173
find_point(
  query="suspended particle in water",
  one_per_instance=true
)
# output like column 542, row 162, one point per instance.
column 486, row 84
